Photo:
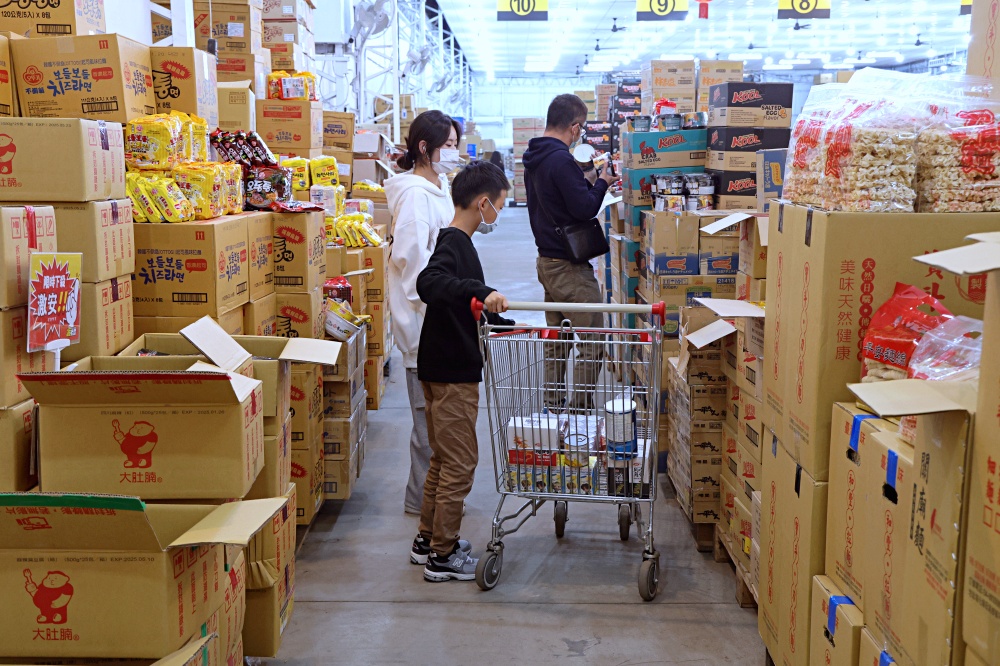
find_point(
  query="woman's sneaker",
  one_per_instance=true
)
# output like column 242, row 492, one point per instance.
column 457, row 566
column 421, row 549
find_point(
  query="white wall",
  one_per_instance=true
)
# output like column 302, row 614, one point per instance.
column 495, row 103
column 129, row 18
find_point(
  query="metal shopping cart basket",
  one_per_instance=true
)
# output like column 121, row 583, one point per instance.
column 573, row 418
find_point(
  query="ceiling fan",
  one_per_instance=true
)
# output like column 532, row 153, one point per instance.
column 800, row 26
column 614, row 26
column 921, row 42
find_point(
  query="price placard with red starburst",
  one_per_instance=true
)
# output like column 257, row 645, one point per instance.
column 53, row 300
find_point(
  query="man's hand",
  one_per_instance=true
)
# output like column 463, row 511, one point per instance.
column 608, row 177
column 496, row 303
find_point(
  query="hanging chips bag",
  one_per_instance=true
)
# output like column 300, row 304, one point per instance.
column 300, row 172
column 324, row 171
column 142, row 203
column 169, row 200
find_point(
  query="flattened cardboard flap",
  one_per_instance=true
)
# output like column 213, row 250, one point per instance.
column 972, row 259
column 190, row 654
column 213, row 341
column 134, row 388
column 762, row 229
column 709, row 334
column 729, row 308
column 309, row 350
column 233, row 523
column 724, row 223
column 908, row 397
column 39, row 521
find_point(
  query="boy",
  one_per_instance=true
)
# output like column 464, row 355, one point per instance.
column 450, row 368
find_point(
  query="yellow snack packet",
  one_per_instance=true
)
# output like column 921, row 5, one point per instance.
column 300, row 172
column 142, row 203
column 187, row 136
column 366, row 229
column 331, row 228
column 170, row 200
column 311, row 85
column 199, row 139
column 341, row 199
column 149, row 143
column 202, row 185
column 233, row 187
column 324, row 170
column 274, row 84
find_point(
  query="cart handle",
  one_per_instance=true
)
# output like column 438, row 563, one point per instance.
column 659, row 309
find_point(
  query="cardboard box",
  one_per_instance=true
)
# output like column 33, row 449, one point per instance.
column 345, row 164
column 750, row 105
column 735, row 202
column 9, row 106
column 718, row 255
column 289, row 10
column 750, row 289
column 184, row 79
column 638, row 184
column 372, row 170
column 290, row 59
column 338, row 130
column 306, row 404
column 340, row 399
column 794, row 540
column 770, row 176
column 175, row 542
column 274, row 478
column 847, row 545
column 750, row 433
column 14, row 358
column 91, row 168
column 24, row 230
column 836, row 625
column 735, row 148
column 101, row 77
column 71, row 18
column 668, row 73
column 17, row 424
column 270, row 586
column 301, row 315
column 340, row 476
column 102, row 232
column 243, row 67
column 714, row 72
column 735, row 183
column 352, row 356
column 753, row 247
column 236, row 27
column 377, row 259
column 671, row 242
column 237, row 106
column 379, row 329
column 191, row 269
column 871, row 652
column 374, row 375
column 106, row 324
column 983, row 48
column 227, row 621
column 307, row 475
column 803, row 380
column 231, row 322
column 280, row 33
column 72, row 439
column 888, row 487
column 290, row 124
column 342, row 435
column 657, row 150
column 260, row 239
column 260, row 317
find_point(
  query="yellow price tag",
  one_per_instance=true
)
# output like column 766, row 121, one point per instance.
column 661, row 10
column 803, row 9
column 522, row 10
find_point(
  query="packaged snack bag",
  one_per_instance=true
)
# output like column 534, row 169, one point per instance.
column 186, row 136
column 169, row 200
column 202, row 184
column 300, row 172
column 199, row 139
column 324, row 171
column 896, row 328
column 142, row 203
column 233, row 187
column 266, row 185
column 150, row 142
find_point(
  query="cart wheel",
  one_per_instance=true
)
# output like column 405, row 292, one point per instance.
column 649, row 579
column 561, row 511
column 488, row 570
column 624, row 521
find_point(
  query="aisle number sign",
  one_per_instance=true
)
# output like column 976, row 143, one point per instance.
column 803, row 9
column 661, row 10
column 966, row 7
column 522, row 10
column 53, row 300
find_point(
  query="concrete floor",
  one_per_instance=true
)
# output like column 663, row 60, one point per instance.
column 359, row 601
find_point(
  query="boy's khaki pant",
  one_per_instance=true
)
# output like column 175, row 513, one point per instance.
column 452, row 410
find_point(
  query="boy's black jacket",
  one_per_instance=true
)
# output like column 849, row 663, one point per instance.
column 449, row 340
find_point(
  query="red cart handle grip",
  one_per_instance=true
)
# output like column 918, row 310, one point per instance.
column 477, row 308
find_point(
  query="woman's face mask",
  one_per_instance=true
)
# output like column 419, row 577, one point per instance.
column 448, row 161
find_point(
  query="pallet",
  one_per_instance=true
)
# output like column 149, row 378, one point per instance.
column 704, row 536
column 722, row 548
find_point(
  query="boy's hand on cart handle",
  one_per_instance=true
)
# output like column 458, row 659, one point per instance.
column 496, row 303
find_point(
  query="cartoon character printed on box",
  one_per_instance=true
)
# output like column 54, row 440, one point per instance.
column 646, row 151
column 51, row 596
column 137, row 444
column 646, row 188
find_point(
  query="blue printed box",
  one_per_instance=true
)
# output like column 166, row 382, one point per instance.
column 719, row 255
column 633, row 221
column 657, row 150
column 671, row 243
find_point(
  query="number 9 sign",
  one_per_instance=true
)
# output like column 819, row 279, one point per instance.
column 803, row 9
column 661, row 10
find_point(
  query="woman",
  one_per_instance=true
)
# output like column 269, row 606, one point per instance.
column 420, row 204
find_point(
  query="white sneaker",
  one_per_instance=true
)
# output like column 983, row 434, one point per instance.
column 458, row 566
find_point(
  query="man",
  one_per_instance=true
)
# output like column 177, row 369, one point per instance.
column 559, row 195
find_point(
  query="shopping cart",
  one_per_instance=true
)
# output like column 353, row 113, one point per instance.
column 561, row 403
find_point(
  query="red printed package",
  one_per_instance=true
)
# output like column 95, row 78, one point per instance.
column 896, row 328
column 338, row 288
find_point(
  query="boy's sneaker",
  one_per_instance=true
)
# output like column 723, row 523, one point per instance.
column 457, row 566
column 421, row 549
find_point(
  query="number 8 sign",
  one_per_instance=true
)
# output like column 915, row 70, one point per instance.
column 804, row 9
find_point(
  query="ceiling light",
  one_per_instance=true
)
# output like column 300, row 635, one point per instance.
column 795, row 61
column 838, row 65
column 539, row 67
column 789, row 53
column 882, row 54
column 768, row 60
column 899, row 57
column 931, row 53
column 771, row 68
column 490, row 76
column 860, row 61
column 881, row 41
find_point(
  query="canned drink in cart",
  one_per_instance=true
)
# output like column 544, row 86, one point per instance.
column 620, row 421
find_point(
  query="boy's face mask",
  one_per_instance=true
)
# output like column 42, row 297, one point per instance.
column 484, row 226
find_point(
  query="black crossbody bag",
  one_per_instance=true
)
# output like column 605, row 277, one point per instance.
column 582, row 241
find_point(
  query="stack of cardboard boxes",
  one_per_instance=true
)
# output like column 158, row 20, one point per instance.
column 288, row 34
column 603, row 93
column 627, row 101
column 291, row 127
column 712, row 73
column 237, row 26
column 669, row 79
column 345, row 418
column 744, row 118
column 525, row 129
column 299, row 273
column 590, row 99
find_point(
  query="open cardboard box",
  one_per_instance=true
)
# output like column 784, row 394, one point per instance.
column 77, row 571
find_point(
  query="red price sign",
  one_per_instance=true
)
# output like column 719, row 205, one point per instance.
column 53, row 301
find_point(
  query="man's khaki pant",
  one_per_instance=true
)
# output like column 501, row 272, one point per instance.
column 566, row 282
column 452, row 410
